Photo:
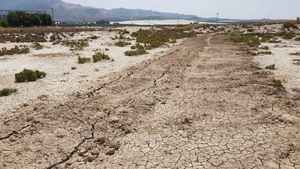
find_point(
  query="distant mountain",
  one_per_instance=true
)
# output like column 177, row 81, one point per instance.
column 71, row 12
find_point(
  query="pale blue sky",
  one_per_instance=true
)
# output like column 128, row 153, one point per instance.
column 239, row 9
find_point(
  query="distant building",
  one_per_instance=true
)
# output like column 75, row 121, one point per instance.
column 102, row 22
column 298, row 19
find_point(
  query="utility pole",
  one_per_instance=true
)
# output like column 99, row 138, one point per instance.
column 217, row 16
column 52, row 13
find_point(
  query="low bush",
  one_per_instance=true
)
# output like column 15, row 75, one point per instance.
column 136, row 52
column 252, row 40
column 297, row 39
column 23, row 49
column 122, row 43
column 100, row 56
column 28, row 75
column 7, row 92
column 3, row 23
column 82, row 60
column 296, row 53
column 287, row 35
column 277, row 83
column 94, row 37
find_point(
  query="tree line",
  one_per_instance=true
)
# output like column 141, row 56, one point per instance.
column 24, row 19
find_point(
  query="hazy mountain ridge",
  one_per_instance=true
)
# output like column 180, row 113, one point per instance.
column 71, row 12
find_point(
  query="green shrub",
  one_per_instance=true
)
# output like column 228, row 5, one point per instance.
column 82, row 60
column 100, row 56
column 122, row 43
column 287, row 35
column 23, row 49
column 76, row 45
column 251, row 40
column 289, row 25
column 7, row 92
column 3, row 23
column 19, row 18
column 28, row 75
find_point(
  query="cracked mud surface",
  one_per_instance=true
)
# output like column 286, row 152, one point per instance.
column 205, row 104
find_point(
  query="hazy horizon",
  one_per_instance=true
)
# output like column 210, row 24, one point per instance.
column 237, row 9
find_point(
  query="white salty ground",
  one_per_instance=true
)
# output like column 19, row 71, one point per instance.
column 286, row 69
column 56, row 61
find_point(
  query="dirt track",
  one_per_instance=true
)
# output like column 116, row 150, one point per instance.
column 203, row 105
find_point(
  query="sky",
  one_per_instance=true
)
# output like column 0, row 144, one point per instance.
column 235, row 9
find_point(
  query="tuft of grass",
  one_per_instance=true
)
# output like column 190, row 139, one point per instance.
column 23, row 49
column 82, row 60
column 100, row 56
column 7, row 92
column 271, row 67
column 28, row 75
column 295, row 54
column 287, row 35
column 122, row 43
column 277, row 83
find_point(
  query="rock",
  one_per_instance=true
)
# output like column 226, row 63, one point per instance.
column 35, row 109
column 95, row 152
column 114, row 120
column 90, row 158
column 110, row 152
column 100, row 141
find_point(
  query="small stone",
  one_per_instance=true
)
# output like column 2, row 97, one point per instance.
column 100, row 141
column 90, row 158
column 35, row 109
column 114, row 120
column 110, row 152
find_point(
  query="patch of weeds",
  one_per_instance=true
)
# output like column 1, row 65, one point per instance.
column 123, row 32
column 100, row 56
column 122, row 43
column 287, row 35
column 37, row 46
column 271, row 67
column 28, row 75
column 265, row 53
column 252, row 40
column 7, row 92
column 82, row 60
column 23, row 49
column 76, row 45
column 277, row 83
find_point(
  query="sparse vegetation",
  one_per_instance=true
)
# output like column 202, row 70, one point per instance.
column 7, row 92
column 297, row 39
column 94, row 37
column 252, row 40
column 28, row 75
column 23, row 49
column 296, row 53
column 122, row 43
column 19, row 18
column 82, row 60
column 37, row 46
column 76, row 45
column 100, row 56
column 271, row 67
column 277, row 83
column 136, row 50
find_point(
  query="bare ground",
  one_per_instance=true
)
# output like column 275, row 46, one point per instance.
column 205, row 104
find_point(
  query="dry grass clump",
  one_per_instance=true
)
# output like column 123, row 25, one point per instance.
column 7, row 92
column 136, row 50
column 295, row 54
column 22, row 49
column 271, row 67
column 100, row 56
column 28, row 75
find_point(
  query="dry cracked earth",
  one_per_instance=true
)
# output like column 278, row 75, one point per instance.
column 205, row 104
